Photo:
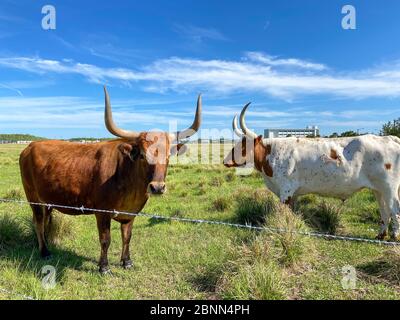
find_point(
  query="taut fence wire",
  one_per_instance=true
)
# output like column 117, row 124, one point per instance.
column 115, row 213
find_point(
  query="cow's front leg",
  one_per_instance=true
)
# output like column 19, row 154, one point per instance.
column 393, row 204
column 286, row 196
column 385, row 216
column 396, row 223
column 126, row 234
column 289, row 202
column 103, row 225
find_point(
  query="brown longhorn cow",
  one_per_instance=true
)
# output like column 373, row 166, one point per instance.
column 118, row 174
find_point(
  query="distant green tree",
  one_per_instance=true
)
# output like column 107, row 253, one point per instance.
column 312, row 136
column 19, row 137
column 392, row 128
column 349, row 133
column 334, row 135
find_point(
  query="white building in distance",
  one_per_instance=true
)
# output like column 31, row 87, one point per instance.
column 312, row 131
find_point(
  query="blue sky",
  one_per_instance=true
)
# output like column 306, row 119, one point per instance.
column 292, row 59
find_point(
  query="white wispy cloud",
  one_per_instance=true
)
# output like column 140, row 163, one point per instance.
column 198, row 34
column 109, row 47
column 90, row 111
column 91, row 72
column 354, row 124
column 371, row 113
column 8, row 87
column 284, row 78
column 17, row 86
column 80, row 112
column 291, row 62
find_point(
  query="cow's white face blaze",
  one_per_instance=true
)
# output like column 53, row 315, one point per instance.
column 247, row 152
column 241, row 155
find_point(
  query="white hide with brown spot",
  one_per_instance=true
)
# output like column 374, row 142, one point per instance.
column 338, row 168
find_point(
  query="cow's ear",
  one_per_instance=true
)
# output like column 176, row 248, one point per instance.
column 129, row 151
column 125, row 149
column 259, row 138
column 178, row 149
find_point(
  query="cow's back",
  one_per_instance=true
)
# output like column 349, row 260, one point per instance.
column 56, row 171
column 73, row 174
column 336, row 167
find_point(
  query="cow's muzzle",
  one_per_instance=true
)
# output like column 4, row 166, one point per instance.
column 157, row 188
column 229, row 163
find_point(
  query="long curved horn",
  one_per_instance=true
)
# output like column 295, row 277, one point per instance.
column 235, row 128
column 111, row 126
column 187, row 133
column 246, row 130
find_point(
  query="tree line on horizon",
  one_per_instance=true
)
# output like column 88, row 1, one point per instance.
column 389, row 128
column 19, row 137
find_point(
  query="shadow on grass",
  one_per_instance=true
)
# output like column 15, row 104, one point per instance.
column 156, row 221
column 177, row 213
column 385, row 269
column 206, row 281
column 368, row 214
column 18, row 245
column 28, row 260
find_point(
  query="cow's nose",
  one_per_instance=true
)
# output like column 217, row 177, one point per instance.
column 157, row 187
column 228, row 163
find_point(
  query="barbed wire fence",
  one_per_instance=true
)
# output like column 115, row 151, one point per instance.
column 116, row 213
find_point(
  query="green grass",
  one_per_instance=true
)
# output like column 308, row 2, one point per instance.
column 175, row 260
column 324, row 216
column 253, row 206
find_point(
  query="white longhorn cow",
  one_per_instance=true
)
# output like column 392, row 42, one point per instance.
column 335, row 167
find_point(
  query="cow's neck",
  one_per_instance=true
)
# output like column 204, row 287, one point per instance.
column 136, row 172
column 132, row 180
column 262, row 149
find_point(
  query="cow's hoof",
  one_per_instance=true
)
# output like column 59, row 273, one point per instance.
column 127, row 264
column 381, row 236
column 105, row 270
column 45, row 254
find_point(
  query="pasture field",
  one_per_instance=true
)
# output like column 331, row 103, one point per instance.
column 174, row 260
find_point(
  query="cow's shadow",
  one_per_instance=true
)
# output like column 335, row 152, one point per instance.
column 155, row 221
column 22, row 253
column 385, row 269
column 27, row 259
